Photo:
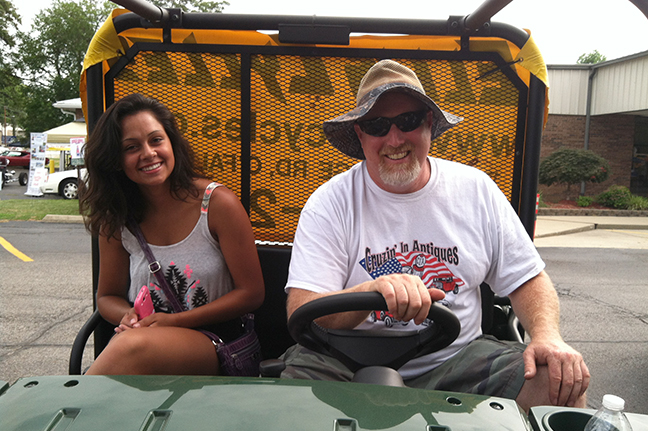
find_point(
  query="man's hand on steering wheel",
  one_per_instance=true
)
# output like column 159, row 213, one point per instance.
column 406, row 296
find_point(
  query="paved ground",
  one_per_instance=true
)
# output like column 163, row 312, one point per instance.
column 16, row 191
column 43, row 302
column 586, row 232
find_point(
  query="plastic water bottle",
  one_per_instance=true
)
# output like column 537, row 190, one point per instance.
column 610, row 416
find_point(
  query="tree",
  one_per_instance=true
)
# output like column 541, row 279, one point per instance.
column 11, row 100
column 568, row 166
column 9, row 81
column 51, row 54
column 58, row 39
column 591, row 58
column 193, row 5
column 10, row 20
column 50, row 58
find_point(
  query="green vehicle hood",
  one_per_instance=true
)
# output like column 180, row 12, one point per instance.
column 172, row 403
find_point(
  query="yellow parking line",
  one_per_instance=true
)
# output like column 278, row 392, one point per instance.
column 632, row 232
column 13, row 250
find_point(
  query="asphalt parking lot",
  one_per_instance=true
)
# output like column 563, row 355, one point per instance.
column 16, row 191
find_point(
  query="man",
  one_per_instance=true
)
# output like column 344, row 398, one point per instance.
column 402, row 223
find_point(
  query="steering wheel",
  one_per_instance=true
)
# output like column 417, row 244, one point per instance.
column 364, row 348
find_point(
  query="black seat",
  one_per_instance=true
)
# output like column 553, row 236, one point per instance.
column 270, row 319
column 498, row 318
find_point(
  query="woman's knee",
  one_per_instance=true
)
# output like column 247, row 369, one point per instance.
column 129, row 343
column 123, row 355
column 157, row 351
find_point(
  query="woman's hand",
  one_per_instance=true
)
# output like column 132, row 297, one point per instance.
column 128, row 321
column 158, row 319
column 131, row 321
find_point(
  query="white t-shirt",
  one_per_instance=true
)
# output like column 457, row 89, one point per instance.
column 455, row 233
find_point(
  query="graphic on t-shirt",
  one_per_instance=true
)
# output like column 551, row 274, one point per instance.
column 189, row 293
column 387, row 317
column 433, row 272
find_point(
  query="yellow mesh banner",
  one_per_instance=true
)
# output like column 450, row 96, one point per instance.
column 290, row 97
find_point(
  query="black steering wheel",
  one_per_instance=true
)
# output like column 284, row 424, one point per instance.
column 365, row 348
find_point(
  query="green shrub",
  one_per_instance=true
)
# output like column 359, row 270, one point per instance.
column 637, row 203
column 569, row 166
column 584, row 201
column 615, row 197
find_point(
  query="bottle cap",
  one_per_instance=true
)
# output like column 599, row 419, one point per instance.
column 613, row 402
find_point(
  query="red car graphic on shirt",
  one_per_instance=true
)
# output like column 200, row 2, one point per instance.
column 387, row 317
column 447, row 284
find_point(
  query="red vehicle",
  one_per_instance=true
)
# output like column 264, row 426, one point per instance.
column 447, row 284
column 386, row 317
column 17, row 158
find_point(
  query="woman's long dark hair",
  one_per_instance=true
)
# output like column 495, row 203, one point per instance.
column 108, row 196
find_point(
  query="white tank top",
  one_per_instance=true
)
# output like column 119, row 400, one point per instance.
column 194, row 267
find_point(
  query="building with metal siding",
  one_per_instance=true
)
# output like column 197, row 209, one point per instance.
column 568, row 89
column 621, row 87
column 618, row 87
column 602, row 107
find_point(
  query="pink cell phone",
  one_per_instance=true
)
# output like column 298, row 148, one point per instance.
column 143, row 303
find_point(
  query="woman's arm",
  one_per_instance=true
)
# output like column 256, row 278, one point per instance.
column 112, row 291
column 230, row 225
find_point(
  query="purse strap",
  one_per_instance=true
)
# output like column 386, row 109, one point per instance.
column 154, row 266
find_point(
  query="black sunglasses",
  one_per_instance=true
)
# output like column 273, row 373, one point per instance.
column 406, row 122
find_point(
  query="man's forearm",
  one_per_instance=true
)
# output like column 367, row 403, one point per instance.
column 536, row 305
column 349, row 320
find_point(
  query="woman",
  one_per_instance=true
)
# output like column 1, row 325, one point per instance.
column 139, row 166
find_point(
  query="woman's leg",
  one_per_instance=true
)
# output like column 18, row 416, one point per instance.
column 158, row 350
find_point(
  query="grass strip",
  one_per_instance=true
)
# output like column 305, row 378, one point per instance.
column 34, row 209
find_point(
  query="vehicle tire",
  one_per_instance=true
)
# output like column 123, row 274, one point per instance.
column 69, row 189
column 389, row 322
column 22, row 178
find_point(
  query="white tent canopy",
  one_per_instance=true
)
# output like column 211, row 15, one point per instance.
column 63, row 134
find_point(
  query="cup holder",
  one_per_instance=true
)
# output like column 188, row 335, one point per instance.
column 565, row 421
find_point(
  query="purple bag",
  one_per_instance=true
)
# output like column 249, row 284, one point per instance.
column 242, row 356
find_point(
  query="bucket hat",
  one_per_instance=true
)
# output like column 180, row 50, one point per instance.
column 384, row 76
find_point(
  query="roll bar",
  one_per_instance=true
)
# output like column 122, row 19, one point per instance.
column 468, row 24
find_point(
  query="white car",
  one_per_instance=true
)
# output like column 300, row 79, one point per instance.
column 64, row 183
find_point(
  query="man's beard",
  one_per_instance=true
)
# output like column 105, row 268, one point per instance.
column 401, row 175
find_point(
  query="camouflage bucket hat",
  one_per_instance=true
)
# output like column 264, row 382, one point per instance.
column 384, row 76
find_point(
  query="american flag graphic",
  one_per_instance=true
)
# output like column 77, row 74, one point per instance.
column 433, row 272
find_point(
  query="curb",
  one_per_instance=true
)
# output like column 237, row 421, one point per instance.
column 53, row 218
column 585, row 228
column 591, row 212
